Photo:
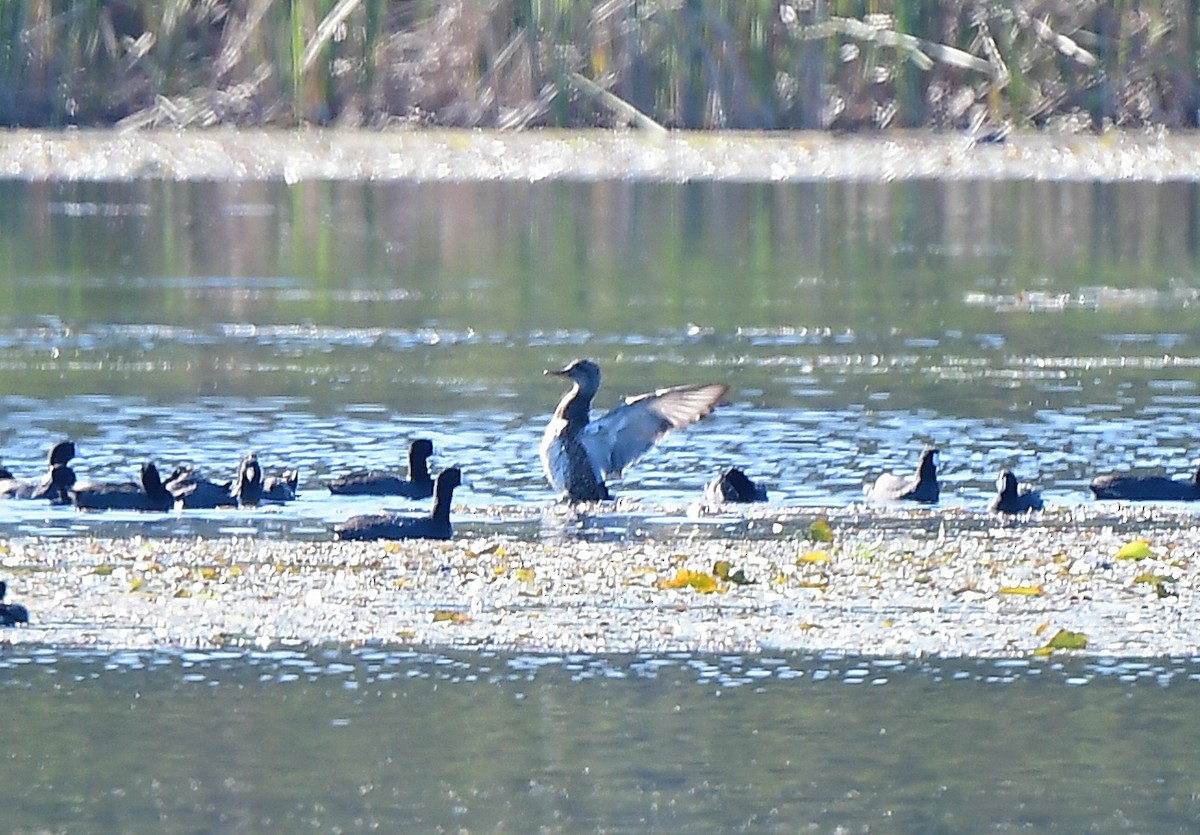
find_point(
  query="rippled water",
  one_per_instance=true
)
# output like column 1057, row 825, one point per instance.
column 1047, row 327
column 397, row 740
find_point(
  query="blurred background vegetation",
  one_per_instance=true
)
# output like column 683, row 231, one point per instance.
column 741, row 64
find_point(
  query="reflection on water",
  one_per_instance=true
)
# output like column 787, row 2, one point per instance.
column 397, row 741
column 1043, row 326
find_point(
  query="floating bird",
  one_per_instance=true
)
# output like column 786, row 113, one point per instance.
column 418, row 485
column 1014, row 498
column 11, row 613
column 194, row 491
column 733, row 485
column 277, row 489
column 920, row 487
column 248, row 485
column 390, row 526
column 55, row 485
column 579, row 453
column 1147, row 488
column 149, row 494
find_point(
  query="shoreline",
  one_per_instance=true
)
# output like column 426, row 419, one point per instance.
column 922, row 588
column 440, row 155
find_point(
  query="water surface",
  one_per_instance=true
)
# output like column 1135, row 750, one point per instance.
column 352, row 740
column 1044, row 326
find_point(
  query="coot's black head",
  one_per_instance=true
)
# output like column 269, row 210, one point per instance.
column 738, row 482
column 449, row 478
column 249, row 471
column 62, row 453
column 1006, row 483
column 151, row 481
column 3, row 589
column 421, row 448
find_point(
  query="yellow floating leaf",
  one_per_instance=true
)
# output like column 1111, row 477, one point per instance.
column 445, row 616
column 814, row 584
column 1042, row 627
column 490, row 548
column 721, row 569
column 698, row 580
column 208, row 572
column 183, row 593
column 401, row 582
column 524, row 575
column 1027, row 591
column 820, row 531
column 812, row 557
column 391, row 547
column 136, row 583
column 780, row 579
column 103, row 570
column 1139, row 549
column 500, row 570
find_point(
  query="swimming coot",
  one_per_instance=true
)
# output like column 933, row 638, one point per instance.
column 579, row 453
column 919, row 487
column 11, row 613
column 277, row 489
column 1012, row 497
column 149, row 494
column 390, row 526
column 1147, row 488
column 55, row 485
column 418, row 484
column 734, row 485
column 196, row 492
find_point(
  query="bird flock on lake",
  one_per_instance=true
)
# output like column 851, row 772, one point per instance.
column 579, row 454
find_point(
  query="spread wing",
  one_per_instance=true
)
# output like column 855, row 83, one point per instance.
column 616, row 440
column 890, row 487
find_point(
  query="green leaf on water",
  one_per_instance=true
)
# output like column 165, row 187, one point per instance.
column 1162, row 584
column 724, row 570
column 1063, row 639
column 820, row 531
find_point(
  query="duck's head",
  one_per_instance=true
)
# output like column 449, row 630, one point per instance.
column 583, row 373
